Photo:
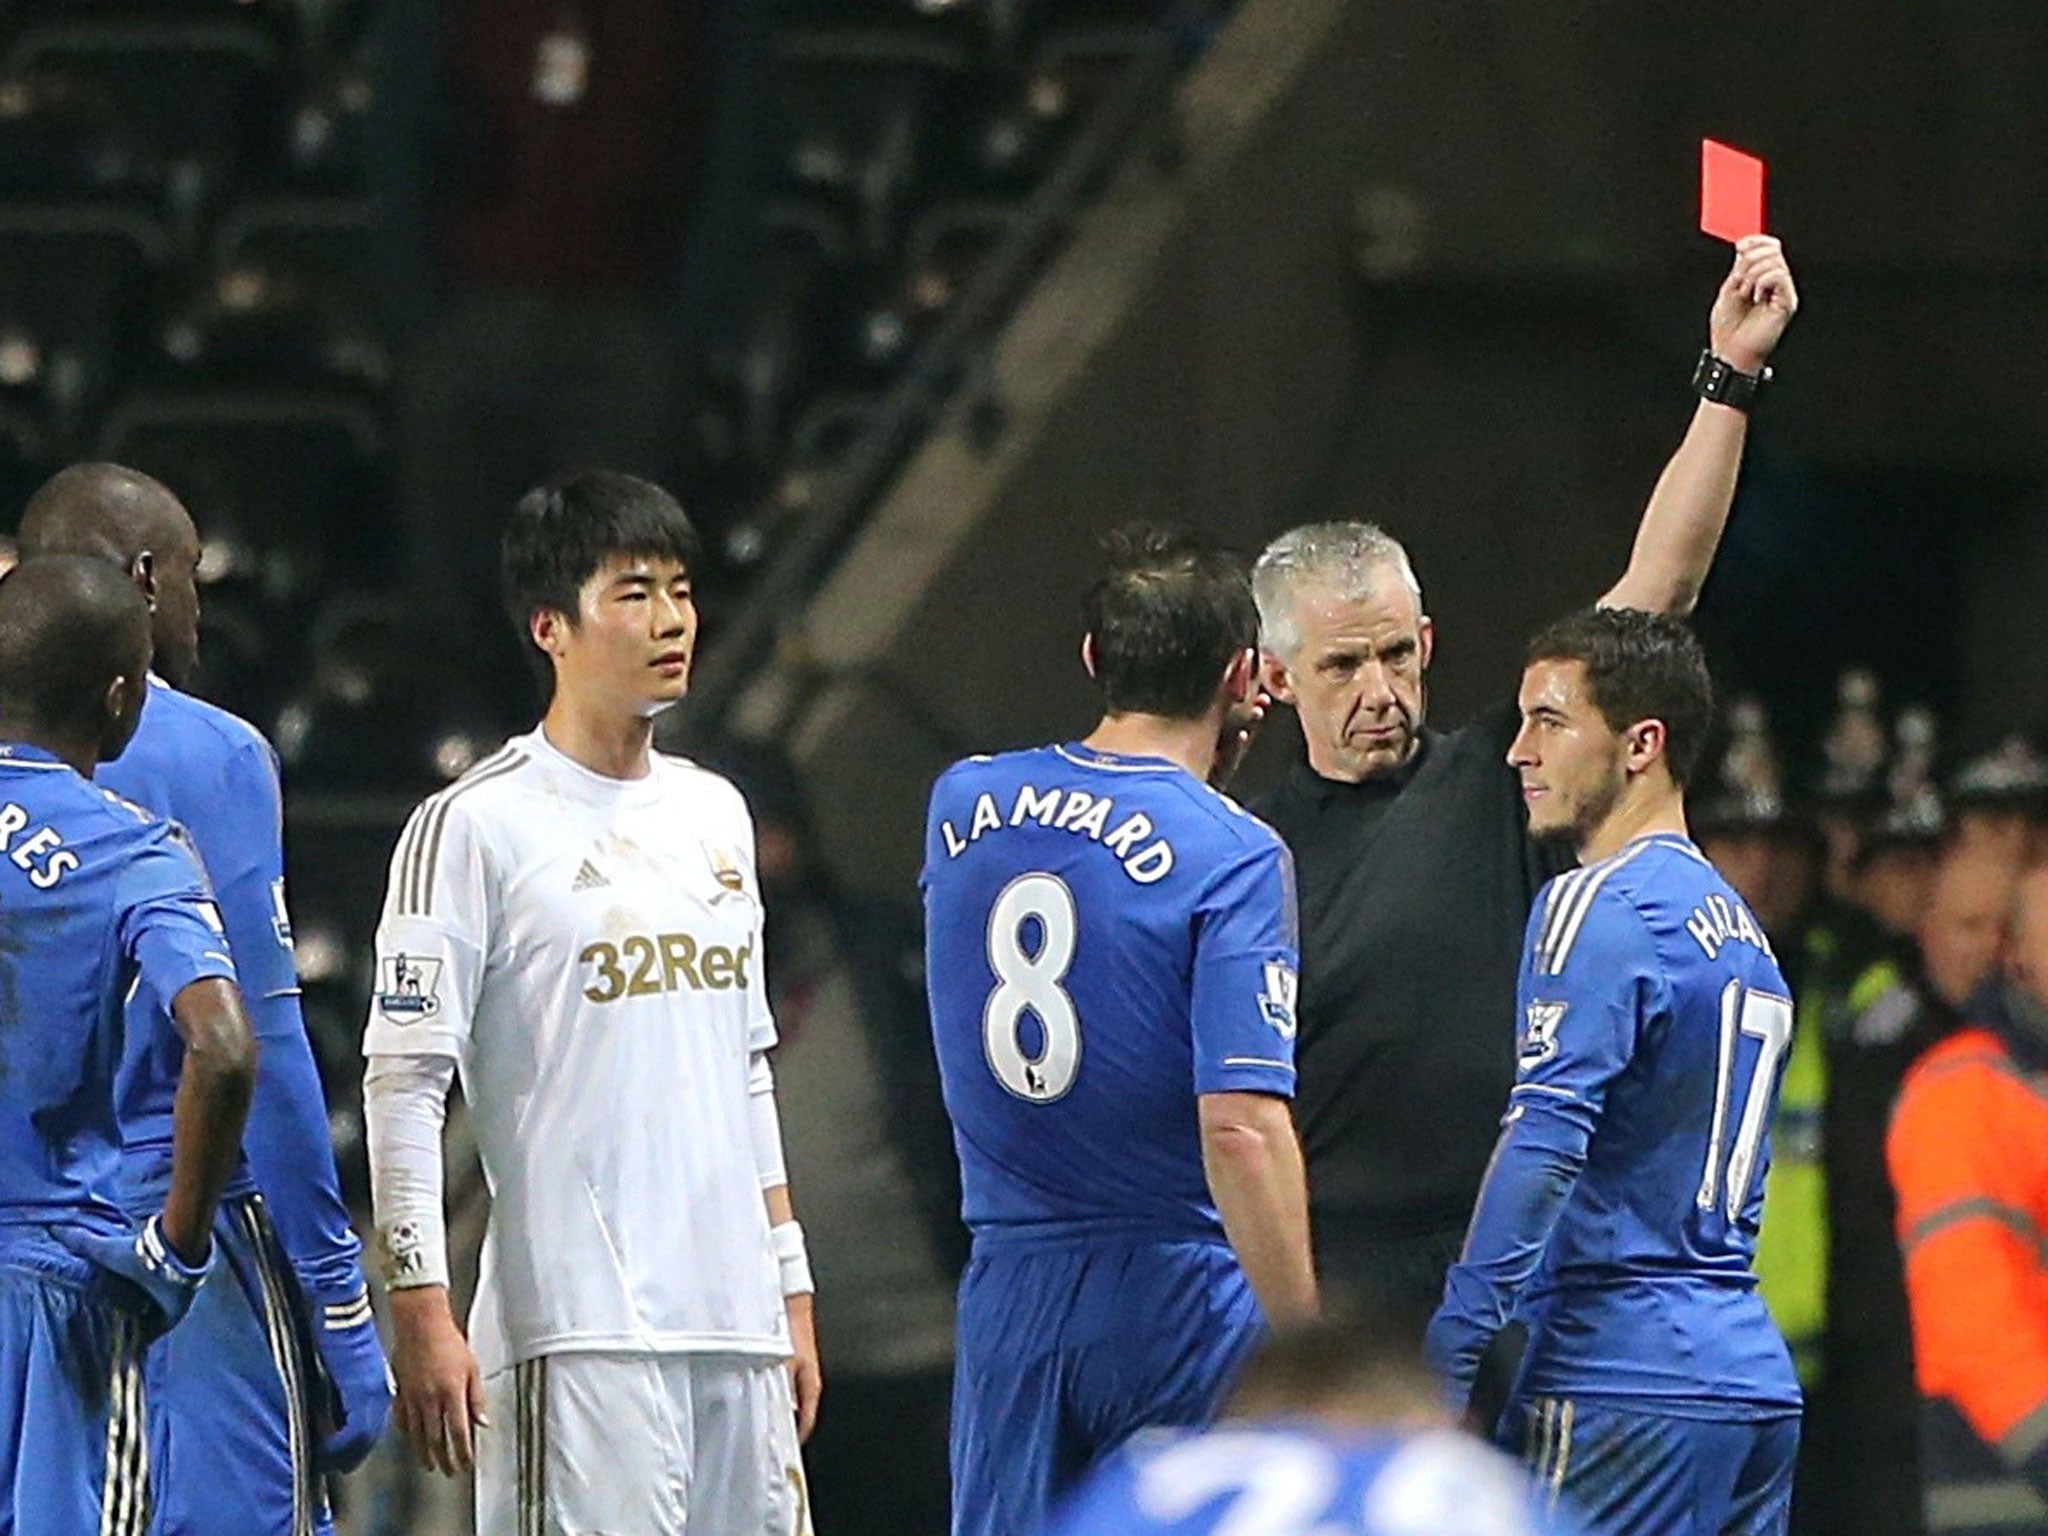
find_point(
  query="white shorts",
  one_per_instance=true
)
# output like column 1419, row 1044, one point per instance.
column 640, row 1445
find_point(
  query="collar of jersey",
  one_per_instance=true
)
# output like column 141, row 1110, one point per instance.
column 1116, row 762
column 643, row 788
column 1677, row 840
column 20, row 754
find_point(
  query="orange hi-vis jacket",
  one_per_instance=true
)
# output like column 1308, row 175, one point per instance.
column 1968, row 1151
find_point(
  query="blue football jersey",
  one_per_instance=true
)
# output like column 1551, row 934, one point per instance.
column 1621, row 1211
column 1294, row 1480
column 96, row 899
column 215, row 778
column 1106, row 938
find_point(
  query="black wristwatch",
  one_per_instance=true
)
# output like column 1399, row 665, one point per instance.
column 1720, row 381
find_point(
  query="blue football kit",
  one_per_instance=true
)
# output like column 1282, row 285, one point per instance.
column 277, row 1375
column 1619, row 1219
column 1107, row 938
column 1295, row 1479
column 98, row 901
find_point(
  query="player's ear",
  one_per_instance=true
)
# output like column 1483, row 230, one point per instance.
column 1646, row 740
column 1088, row 654
column 549, row 629
column 121, row 712
column 1275, row 678
column 142, row 571
column 1241, row 676
column 1426, row 637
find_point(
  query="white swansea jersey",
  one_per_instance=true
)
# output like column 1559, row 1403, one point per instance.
column 588, row 949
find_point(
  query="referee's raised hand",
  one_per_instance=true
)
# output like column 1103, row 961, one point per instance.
column 1756, row 302
column 440, row 1403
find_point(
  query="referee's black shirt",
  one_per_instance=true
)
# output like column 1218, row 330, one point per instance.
column 1414, row 889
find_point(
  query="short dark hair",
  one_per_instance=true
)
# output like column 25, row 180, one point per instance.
column 69, row 625
column 1639, row 666
column 561, row 532
column 1166, row 616
column 1345, row 1358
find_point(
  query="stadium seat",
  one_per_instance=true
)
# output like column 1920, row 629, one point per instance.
column 296, row 473
column 193, row 93
column 859, row 103
column 369, row 716
column 63, row 134
column 69, row 274
column 285, row 297
column 310, row 229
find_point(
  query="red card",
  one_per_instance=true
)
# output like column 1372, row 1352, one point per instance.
column 1731, row 192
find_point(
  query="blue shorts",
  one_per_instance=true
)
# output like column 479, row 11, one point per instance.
column 1624, row 1472
column 230, row 1435
column 74, row 1457
column 1068, row 1349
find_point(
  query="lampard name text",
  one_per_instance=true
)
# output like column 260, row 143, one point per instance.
column 1145, row 858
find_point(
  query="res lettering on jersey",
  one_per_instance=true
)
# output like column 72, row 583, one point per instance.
column 1654, row 1029
column 1290, row 1480
column 589, row 951
column 97, row 899
column 1106, row 939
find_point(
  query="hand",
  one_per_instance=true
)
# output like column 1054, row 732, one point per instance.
column 440, row 1393
column 163, row 1283
column 357, row 1402
column 1240, row 729
column 1755, row 304
column 806, row 1375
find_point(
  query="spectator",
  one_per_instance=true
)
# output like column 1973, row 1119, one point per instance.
column 1894, row 865
column 2001, row 802
column 1968, row 1153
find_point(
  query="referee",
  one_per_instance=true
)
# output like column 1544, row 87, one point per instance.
column 1411, row 848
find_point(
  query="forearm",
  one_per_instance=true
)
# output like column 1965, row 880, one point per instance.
column 208, row 1113
column 405, row 1106
column 1256, row 1178
column 1682, row 525
column 291, row 1152
column 1534, row 1169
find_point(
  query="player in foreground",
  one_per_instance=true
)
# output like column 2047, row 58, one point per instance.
column 1111, row 958
column 1332, row 1430
column 576, row 924
column 96, row 899
column 1619, row 1218
column 243, row 1419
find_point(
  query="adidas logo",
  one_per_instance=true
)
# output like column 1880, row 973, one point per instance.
column 587, row 878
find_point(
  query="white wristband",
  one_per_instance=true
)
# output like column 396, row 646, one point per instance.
column 787, row 1240
column 410, row 1255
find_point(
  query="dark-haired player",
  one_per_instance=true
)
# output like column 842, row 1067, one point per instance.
column 98, row 900
column 576, row 926
column 1619, row 1218
column 1333, row 1429
column 1111, row 962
